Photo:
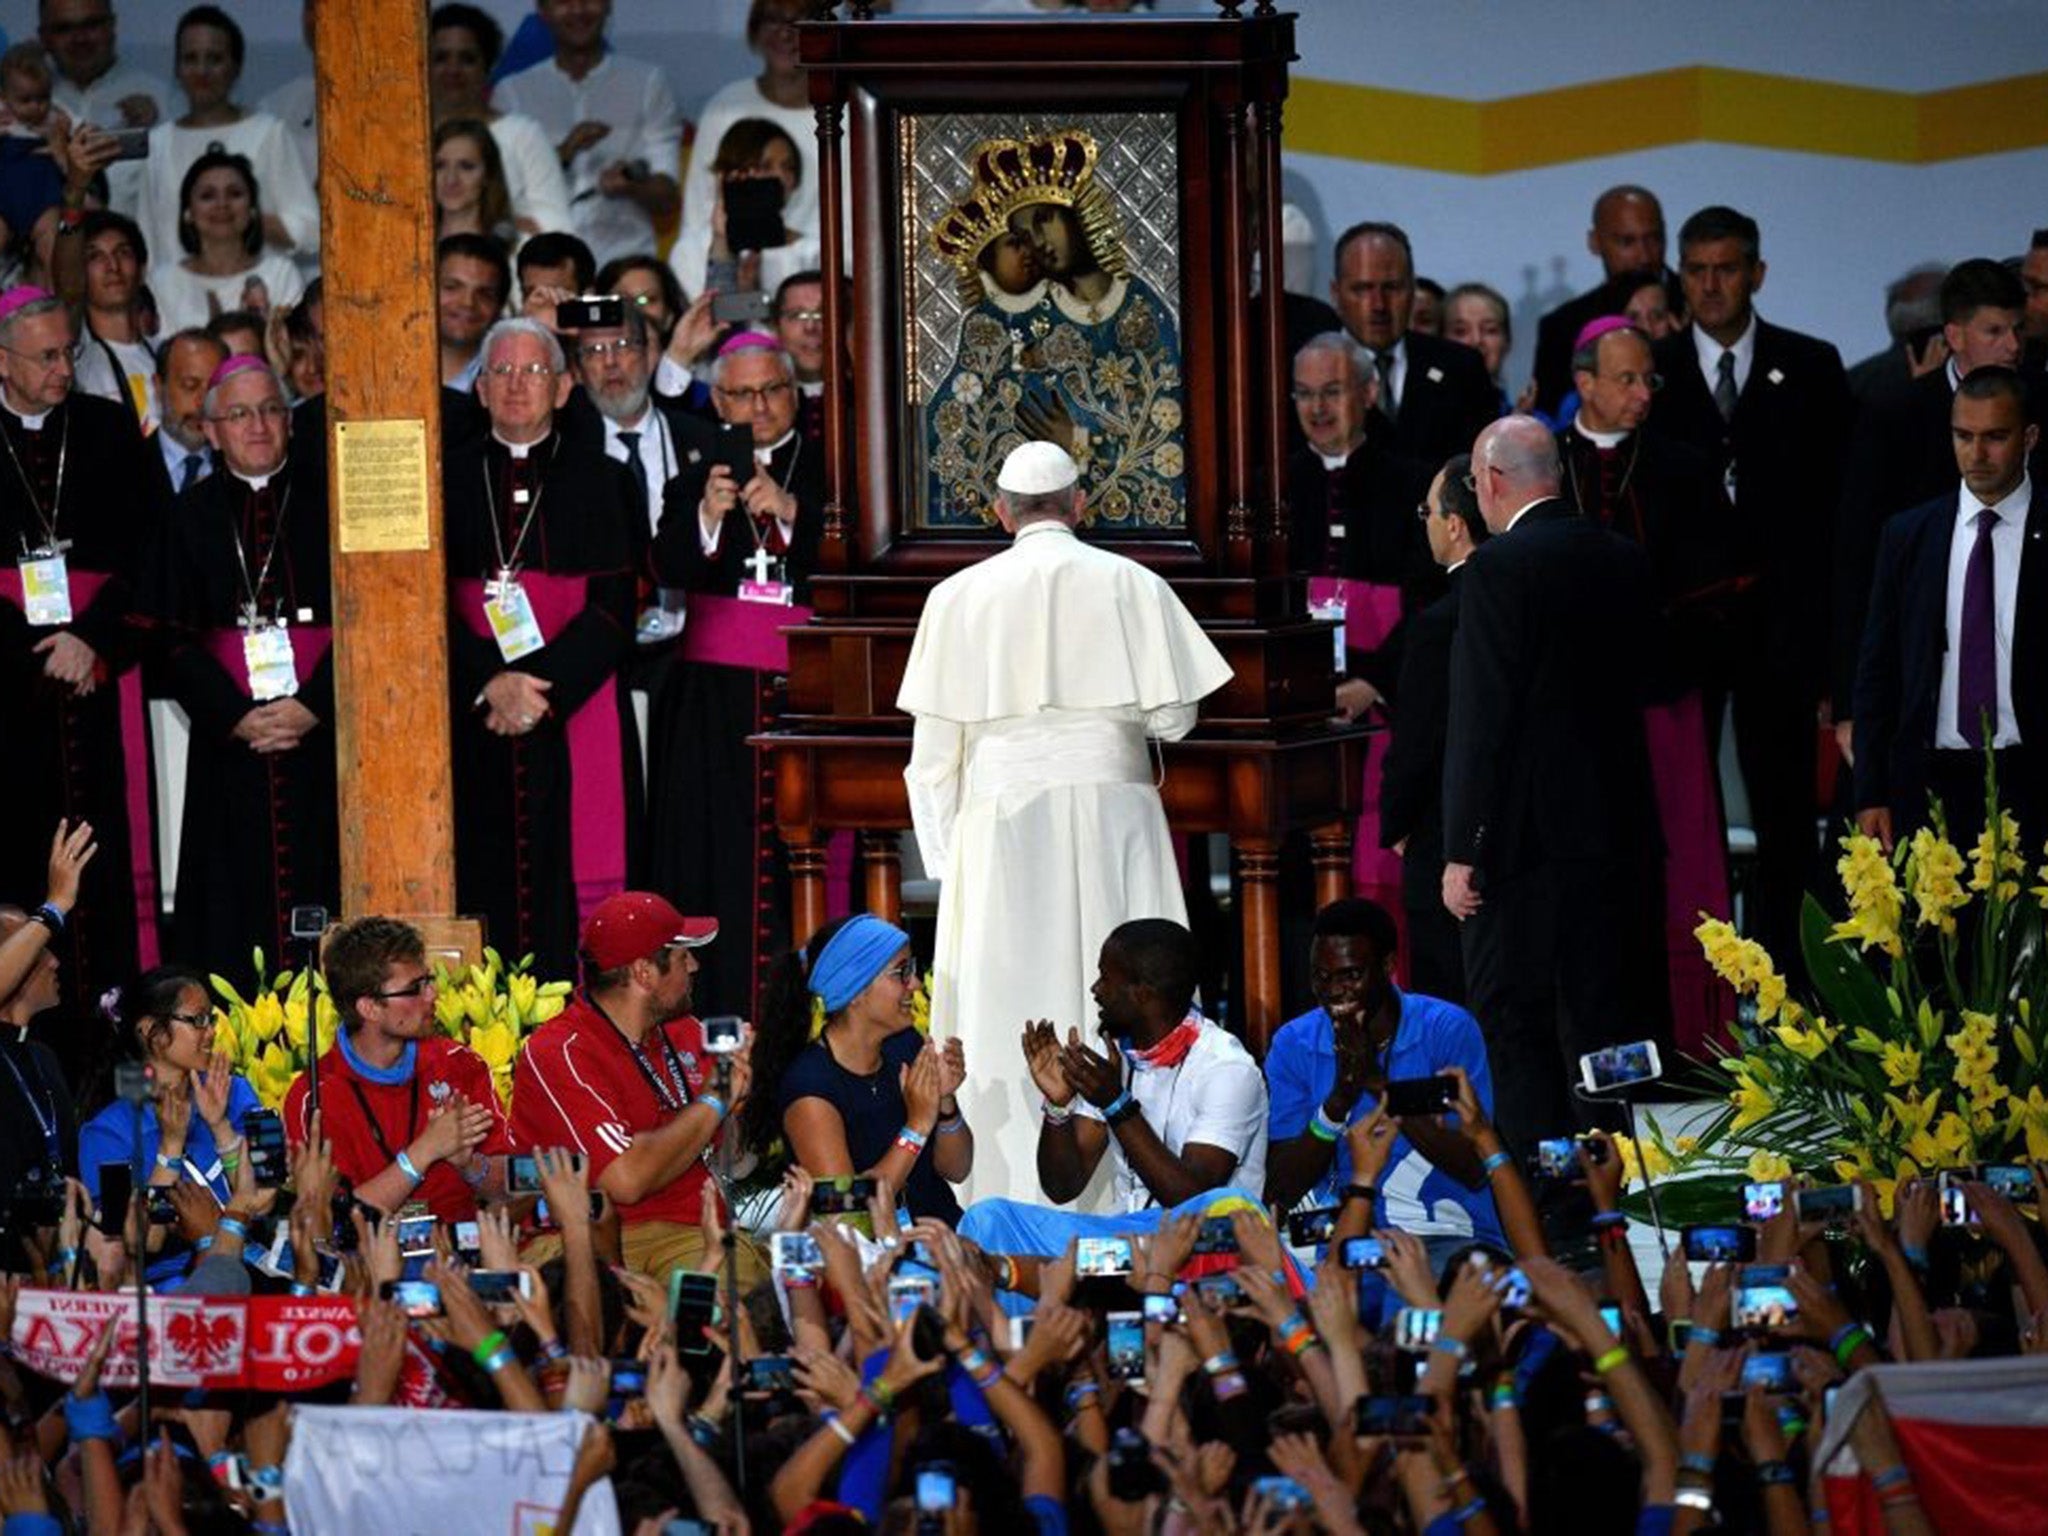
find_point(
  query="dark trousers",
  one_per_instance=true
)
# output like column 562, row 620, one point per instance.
column 1561, row 960
column 1776, row 743
column 1436, row 958
column 1956, row 779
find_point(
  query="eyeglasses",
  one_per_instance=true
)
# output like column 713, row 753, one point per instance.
column 754, row 394
column 272, row 412
column 195, row 1020
column 905, row 971
column 804, row 316
column 521, row 371
column 48, row 358
column 413, row 988
column 603, row 349
column 1329, row 394
column 1424, row 511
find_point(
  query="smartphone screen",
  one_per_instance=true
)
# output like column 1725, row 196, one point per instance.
column 415, row 1298
column 1215, row 1235
column 1162, row 1309
column 1760, row 1202
column 1102, row 1256
column 117, row 1193
column 496, row 1287
column 1307, row 1228
column 1363, row 1253
column 1763, row 1299
column 1619, row 1066
column 1720, row 1243
column 1831, row 1203
column 1126, row 1343
column 1771, row 1371
column 522, row 1174
column 1421, row 1095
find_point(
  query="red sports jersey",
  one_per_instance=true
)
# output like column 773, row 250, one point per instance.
column 368, row 1124
column 577, row 1085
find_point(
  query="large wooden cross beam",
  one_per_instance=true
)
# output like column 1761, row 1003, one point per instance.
column 384, row 421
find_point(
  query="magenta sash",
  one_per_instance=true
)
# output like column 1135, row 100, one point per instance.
column 597, row 768
column 1371, row 610
column 134, row 718
column 1695, row 864
column 729, row 633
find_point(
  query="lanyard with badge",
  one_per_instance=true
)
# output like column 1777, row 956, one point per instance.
column 266, row 638
column 507, row 609
column 672, row 1092
column 45, row 1111
column 45, row 577
column 770, row 578
column 412, row 1114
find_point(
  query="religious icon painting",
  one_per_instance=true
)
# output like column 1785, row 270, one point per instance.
column 1041, row 270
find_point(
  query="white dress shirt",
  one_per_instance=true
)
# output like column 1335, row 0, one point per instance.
column 2008, row 541
column 1215, row 1097
column 1396, row 379
column 100, row 104
column 646, row 125
column 1710, row 352
column 654, row 457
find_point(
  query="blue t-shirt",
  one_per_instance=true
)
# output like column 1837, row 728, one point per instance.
column 872, row 1109
column 1415, row 1195
column 109, row 1137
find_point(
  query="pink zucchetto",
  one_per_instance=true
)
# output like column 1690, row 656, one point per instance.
column 1593, row 330
column 239, row 362
column 748, row 341
column 20, row 297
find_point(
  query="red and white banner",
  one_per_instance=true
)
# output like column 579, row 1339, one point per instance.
column 1974, row 1433
column 279, row 1344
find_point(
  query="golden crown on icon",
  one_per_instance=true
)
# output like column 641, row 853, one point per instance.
column 1009, row 174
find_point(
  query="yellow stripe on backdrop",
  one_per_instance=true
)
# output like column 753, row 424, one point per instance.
column 1696, row 104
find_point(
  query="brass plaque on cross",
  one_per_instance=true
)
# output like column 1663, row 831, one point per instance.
column 381, row 485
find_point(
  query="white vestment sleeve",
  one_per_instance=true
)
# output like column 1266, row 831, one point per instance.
column 1170, row 722
column 937, row 748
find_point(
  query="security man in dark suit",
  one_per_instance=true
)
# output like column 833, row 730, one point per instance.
column 1553, row 859
column 1628, row 236
column 1412, row 780
column 1434, row 392
column 1770, row 408
column 1955, row 650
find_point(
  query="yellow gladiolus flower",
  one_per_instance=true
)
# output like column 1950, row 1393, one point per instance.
column 1934, row 868
column 1807, row 1043
column 2029, row 1118
column 1872, row 888
column 1996, row 860
column 1764, row 1165
column 1901, row 1064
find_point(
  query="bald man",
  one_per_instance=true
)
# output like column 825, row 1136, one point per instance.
column 1553, row 859
column 1628, row 237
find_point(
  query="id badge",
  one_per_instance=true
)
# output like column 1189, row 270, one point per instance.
column 45, row 588
column 273, row 670
column 513, row 626
column 1333, row 607
column 777, row 593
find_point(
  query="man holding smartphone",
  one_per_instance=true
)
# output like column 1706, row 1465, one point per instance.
column 408, row 1113
column 1331, row 1068
column 623, row 1076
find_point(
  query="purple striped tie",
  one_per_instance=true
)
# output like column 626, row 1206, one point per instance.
column 1977, row 655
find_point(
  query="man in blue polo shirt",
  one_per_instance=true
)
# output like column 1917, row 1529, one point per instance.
column 1328, row 1068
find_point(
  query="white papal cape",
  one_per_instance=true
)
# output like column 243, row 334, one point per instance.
column 1035, row 679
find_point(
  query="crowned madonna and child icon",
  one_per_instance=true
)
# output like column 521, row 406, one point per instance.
column 1060, row 342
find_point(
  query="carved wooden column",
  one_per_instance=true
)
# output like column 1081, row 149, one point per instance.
column 882, row 857
column 806, row 850
column 1329, row 852
column 831, row 261
column 1258, row 897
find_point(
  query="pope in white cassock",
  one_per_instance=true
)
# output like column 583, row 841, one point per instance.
column 1036, row 679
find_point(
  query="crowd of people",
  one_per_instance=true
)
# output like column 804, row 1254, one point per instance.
column 1111, row 1264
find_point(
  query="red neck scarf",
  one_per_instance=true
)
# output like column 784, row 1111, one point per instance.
column 1172, row 1050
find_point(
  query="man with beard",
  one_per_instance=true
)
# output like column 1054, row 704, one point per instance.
column 1329, row 1068
column 79, row 498
column 655, row 439
column 743, row 551
column 243, row 593
column 542, row 547
column 184, row 366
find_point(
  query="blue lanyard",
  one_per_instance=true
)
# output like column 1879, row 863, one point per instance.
column 45, row 1122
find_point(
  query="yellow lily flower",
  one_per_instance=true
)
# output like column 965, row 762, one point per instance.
column 1901, row 1064
column 1765, row 1165
column 1752, row 1101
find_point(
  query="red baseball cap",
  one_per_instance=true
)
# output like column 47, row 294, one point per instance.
column 634, row 925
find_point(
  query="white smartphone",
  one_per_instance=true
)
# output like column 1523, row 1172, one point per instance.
column 1619, row 1066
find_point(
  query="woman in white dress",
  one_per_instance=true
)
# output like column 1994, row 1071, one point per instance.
column 463, row 44
column 209, row 63
column 225, row 266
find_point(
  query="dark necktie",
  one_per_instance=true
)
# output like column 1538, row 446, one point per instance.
column 1383, row 363
column 1724, row 386
column 1977, row 654
column 630, row 441
column 189, row 475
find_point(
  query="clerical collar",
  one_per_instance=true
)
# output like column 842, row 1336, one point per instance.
column 398, row 1072
column 254, row 482
column 1597, row 439
column 763, row 455
column 1336, row 461
column 31, row 423
column 519, row 450
column 814, row 390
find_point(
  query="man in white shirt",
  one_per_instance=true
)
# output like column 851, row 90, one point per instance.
column 1038, row 679
column 293, row 104
column 92, row 85
column 1177, row 1097
column 616, row 128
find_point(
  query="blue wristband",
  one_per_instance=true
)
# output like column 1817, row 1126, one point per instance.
column 90, row 1418
column 715, row 1102
column 54, row 913
column 408, row 1167
column 1496, row 1161
column 1117, row 1106
column 234, row 1228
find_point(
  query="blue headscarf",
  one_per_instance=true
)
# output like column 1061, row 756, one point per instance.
column 853, row 957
